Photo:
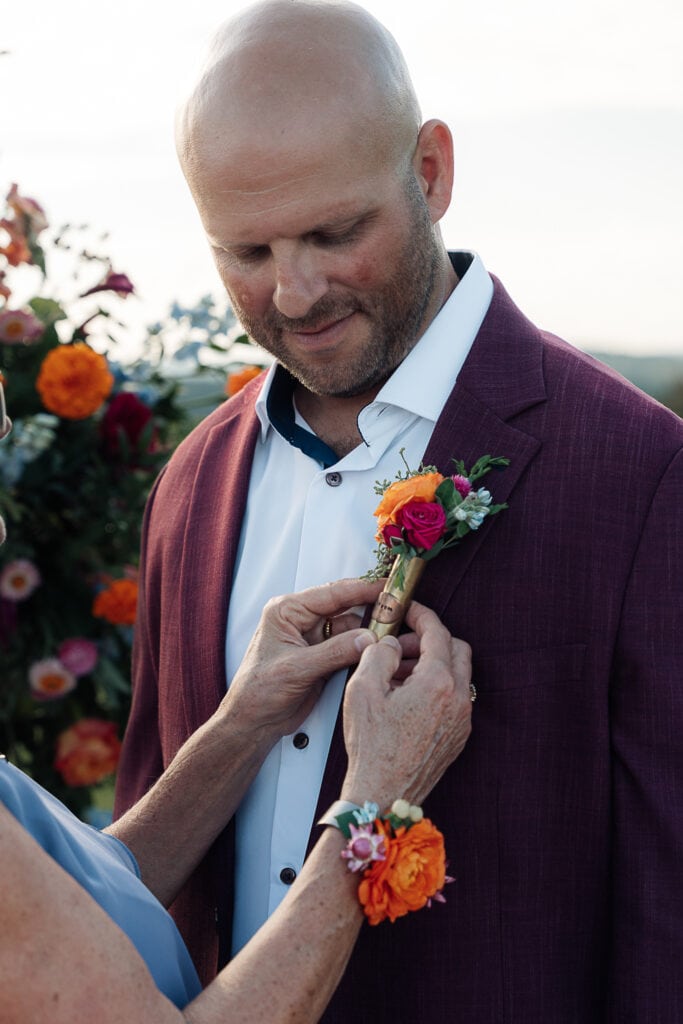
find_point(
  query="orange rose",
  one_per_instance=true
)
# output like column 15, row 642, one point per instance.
column 74, row 381
column 413, row 873
column 415, row 488
column 118, row 603
column 236, row 381
column 87, row 752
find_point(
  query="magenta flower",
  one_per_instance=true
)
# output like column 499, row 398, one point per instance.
column 19, row 579
column 391, row 531
column 462, row 485
column 423, row 522
column 119, row 283
column 78, row 655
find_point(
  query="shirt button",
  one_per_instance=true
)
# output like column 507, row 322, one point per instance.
column 287, row 875
column 333, row 479
column 300, row 740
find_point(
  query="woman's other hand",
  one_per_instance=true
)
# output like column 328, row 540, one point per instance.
column 402, row 735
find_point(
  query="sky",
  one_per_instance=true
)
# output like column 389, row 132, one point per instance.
column 567, row 121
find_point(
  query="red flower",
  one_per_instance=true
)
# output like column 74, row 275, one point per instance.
column 389, row 531
column 424, row 523
column 127, row 414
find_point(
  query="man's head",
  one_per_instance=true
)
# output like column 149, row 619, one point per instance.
column 318, row 189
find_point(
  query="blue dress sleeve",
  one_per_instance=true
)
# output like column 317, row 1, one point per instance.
column 108, row 871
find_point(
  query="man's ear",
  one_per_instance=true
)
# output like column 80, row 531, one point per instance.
column 433, row 166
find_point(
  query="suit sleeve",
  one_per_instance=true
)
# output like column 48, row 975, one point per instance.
column 141, row 760
column 647, row 751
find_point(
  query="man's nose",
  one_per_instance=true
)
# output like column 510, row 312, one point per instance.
column 299, row 282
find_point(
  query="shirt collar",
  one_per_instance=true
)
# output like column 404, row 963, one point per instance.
column 420, row 384
column 426, row 377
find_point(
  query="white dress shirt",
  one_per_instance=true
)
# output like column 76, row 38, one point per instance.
column 305, row 525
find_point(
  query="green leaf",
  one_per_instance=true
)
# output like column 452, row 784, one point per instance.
column 47, row 310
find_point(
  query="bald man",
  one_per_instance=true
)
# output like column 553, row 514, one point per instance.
column 320, row 191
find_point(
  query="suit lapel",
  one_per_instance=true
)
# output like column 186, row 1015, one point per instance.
column 214, row 517
column 501, row 378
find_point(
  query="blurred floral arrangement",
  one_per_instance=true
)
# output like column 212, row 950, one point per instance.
column 89, row 437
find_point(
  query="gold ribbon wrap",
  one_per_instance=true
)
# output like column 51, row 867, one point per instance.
column 392, row 603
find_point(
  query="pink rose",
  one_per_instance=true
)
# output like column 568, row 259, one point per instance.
column 424, row 522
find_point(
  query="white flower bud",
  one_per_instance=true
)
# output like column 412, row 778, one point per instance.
column 401, row 808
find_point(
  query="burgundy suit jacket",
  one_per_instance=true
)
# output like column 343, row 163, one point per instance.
column 563, row 818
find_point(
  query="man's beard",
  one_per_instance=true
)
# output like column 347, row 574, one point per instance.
column 395, row 313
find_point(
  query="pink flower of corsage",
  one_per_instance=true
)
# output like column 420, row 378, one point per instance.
column 364, row 847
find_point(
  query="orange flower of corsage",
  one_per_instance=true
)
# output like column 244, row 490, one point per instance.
column 402, row 857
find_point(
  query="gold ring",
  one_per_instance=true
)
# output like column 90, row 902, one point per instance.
column 327, row 629
column 473, row 692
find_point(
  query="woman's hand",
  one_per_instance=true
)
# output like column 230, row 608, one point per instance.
column 401, row 737
column 288, row 661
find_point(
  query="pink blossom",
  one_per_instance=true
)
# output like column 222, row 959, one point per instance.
column 78, row 655
column 19, row 327
column 50, row 680
column 462, row 485
column 364, row 846
column 119, row 283
column 19, row 579
column 423, row 522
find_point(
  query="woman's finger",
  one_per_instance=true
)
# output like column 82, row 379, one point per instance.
column 308, row 607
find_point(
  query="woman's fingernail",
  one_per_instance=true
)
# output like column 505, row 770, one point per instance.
column 364, row 639
column 392, row 642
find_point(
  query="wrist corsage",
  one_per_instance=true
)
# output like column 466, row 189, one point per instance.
column 401, row 855
column 421, row 513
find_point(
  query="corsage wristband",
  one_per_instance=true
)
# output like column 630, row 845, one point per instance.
column 401, row 855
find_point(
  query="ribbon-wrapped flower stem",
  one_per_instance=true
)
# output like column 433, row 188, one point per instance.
column 421, row 513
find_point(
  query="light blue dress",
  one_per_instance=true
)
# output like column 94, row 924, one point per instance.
column 107, row 870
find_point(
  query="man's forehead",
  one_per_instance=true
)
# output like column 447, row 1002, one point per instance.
column 259, row 218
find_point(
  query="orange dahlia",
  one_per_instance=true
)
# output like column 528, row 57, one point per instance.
column 87, row 752
column 118, row 603
column 74, row 381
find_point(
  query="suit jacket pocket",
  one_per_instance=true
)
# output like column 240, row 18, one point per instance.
column 547, row 666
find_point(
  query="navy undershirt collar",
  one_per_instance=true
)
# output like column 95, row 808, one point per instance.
column 280, row 409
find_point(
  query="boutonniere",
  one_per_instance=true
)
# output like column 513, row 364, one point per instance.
column 421, row 513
